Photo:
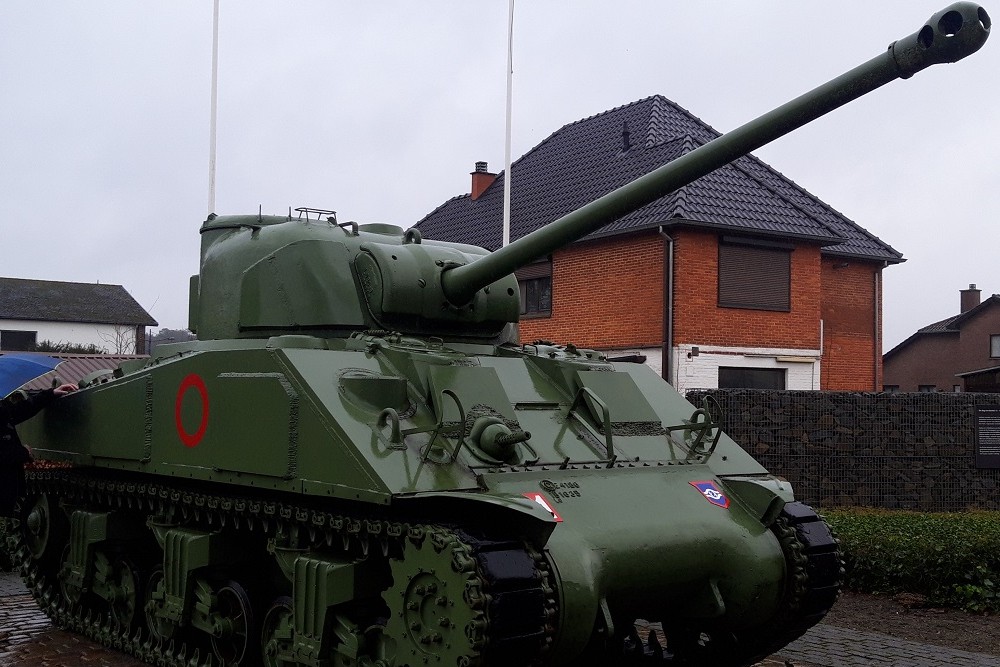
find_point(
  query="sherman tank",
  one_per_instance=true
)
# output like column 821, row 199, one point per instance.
column 357, row 464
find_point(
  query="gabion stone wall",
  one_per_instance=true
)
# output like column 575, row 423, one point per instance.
column 891, row 450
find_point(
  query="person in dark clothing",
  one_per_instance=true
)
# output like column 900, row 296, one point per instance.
column 13, row 455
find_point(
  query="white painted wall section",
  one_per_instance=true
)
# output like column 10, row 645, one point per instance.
column 77, row 333
column 701, row 370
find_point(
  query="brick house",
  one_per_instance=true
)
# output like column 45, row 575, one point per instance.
column 741, row 278
column 951, row 355
column 105, row 316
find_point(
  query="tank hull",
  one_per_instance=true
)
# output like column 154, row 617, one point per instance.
column 602, row 530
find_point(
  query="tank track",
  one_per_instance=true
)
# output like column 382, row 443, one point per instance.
column 512, row 596
column 814, row 576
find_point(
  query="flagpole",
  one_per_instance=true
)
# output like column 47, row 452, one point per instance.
column 215, row 86
column 510, row 77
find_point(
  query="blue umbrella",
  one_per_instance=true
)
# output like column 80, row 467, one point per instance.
column 18, row 368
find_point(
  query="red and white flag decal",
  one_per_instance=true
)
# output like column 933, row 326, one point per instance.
column 544, row 502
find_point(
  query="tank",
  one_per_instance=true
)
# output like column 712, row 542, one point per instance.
column 357, row 464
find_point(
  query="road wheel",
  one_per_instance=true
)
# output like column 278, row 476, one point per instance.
column 276, row 631
column 161, row 629
column 127, row 594
column 234, row 640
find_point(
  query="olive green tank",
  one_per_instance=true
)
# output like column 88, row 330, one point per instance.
column 357, row 465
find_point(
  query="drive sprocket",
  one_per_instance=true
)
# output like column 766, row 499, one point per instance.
column 437, row 591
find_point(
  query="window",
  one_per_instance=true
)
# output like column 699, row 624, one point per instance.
column 21, row 341
column 957, row 388
column 995, row 346
column 535, row 284
column 536, row 296
column 734, row 377
column 927, row 388
column 755, row 274
column 890, row 388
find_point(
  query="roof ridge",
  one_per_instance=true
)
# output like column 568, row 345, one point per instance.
column 609, row 111
column 961, row 317
column 651, row 128
column 946, row 326
column 57, row 282
column 939, row 326
column 441, row 206
column 806, row 194
column 738, row 164
column 690, row 116
column 580, row 121
column 827, row 207
column 691, row 143
column 680, row 195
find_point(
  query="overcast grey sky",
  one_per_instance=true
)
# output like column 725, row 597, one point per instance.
column 379, row 110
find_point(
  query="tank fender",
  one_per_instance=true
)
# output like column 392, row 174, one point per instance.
column 516, row 513
column 764, row 495
column 581, row 606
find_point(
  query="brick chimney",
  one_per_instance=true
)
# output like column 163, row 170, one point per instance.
column 970, row 297
column 481, row 179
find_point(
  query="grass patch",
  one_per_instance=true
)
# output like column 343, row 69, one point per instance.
column 951, row 558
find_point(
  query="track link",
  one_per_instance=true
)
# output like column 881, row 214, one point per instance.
column 509, row 582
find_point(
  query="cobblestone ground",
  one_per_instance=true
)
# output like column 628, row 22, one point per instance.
column 28, row 638
column 830, row 645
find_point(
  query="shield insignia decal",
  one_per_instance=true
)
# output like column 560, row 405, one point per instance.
column 712, row 493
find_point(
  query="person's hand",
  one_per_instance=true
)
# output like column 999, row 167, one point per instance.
column 31, row 454
column 64, row 389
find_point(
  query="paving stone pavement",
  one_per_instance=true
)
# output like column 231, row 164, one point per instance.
column 28, row 638
column 841, row 647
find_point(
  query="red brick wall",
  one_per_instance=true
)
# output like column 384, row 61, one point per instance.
column 699, row 321
column 605, row 294
column 608, row 294
column 852, row 359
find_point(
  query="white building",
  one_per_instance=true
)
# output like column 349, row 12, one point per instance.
column 79, row 314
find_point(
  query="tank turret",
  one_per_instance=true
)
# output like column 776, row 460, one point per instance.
column 353, row 468
column 268, row 275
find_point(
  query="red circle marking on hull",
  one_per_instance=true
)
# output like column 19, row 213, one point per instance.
column 195, row 382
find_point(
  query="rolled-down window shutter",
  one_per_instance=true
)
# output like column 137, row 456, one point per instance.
column 536, row 270
column 754, row 277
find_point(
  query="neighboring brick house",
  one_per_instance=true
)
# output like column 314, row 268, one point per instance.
column 741, row 278
column 948, row 355
column 105, row 316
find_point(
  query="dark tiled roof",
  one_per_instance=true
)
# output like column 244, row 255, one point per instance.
column 944, row 326
column 949, row 325
column 75, row 367
column 585, row 160
column 51, row 301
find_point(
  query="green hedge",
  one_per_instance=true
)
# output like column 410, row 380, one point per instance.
column 951, row 558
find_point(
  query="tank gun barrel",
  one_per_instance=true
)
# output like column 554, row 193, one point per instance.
column 950, row 35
